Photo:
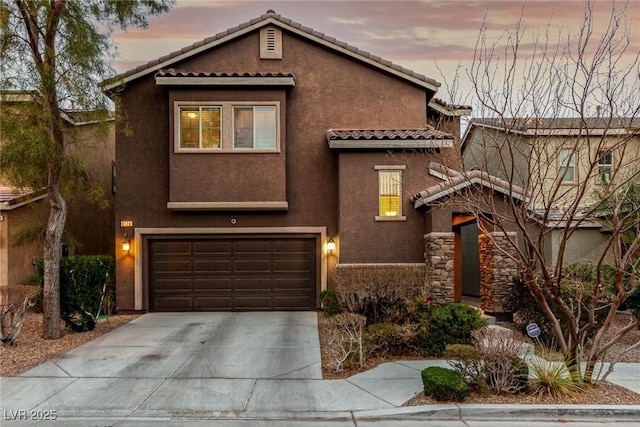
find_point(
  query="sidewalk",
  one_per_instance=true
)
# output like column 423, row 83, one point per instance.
column 238, row 369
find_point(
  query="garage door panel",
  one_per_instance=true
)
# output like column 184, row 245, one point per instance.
column 253, row 303
column 292, row 266
column 249, row 247
column 172, row 266
column 211, row 247
column 220, row 266
column 174, row 304
column 171, row 247
column 214, row 303
column 252, row 266
column 293, row 284
column 295, row 246
column 252, row 284
column 173, row 285
column 232, row 273
column 220, row 284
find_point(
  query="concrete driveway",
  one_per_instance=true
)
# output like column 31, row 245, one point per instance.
column 190, row 364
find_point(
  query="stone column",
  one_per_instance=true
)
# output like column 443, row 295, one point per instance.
column 438, row 255
column 496, row 273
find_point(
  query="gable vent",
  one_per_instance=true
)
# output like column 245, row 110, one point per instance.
column 271, row 43
column 271, row 39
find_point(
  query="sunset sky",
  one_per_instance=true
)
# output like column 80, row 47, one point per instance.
column 415, row 34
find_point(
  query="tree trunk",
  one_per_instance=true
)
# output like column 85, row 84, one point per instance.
column 52, row 252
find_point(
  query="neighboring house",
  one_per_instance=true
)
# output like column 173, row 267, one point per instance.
column 553, row 159
column 255, row 163
column 89, row 226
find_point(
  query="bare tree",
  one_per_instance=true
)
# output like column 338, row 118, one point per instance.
column 559, row 122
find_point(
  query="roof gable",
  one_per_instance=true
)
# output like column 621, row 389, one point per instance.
column 271, row 18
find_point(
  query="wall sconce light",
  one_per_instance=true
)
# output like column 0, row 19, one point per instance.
column 126, row 244
column 331, row 245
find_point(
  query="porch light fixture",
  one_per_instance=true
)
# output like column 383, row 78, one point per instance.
column 126, row 244
column 331, row 245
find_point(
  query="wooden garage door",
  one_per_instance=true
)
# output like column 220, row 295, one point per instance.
column 241, row 274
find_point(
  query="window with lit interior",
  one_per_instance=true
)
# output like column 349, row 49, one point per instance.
column 390, row 193
column 200, row 127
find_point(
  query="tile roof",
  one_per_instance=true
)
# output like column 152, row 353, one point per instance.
column 180, row 73
column 386, row 134
column 269, row 18
column 11, row 196
column 454, row 181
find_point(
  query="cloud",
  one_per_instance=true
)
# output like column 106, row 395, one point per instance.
column 404, row 32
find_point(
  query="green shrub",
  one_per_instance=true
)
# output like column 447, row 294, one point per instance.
column 467, row 361
column 85, row 281
column 576, row 290
column 330, row 302
column 446, row 324
column 389, row 338
column 444, row 384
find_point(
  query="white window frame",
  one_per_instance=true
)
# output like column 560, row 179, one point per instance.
column 382, row 169
column 571, row 164
column 602, row 167
column 253, row 138
column 227, row 137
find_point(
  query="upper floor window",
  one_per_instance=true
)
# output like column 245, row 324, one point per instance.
column 200, row 127
column 389, row 193
column 226, row 127
column 605, row 166
column 567, row 166
column 254, row 127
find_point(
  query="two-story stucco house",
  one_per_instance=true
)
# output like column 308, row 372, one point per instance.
column 254, row 163
column 566, row 164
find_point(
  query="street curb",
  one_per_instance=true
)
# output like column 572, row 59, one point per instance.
column 499, row 411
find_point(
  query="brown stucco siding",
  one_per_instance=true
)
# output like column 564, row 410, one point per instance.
column 227, row 177
column 363, row 239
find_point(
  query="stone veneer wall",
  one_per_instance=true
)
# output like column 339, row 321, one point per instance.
column 439, row 249
column 496, row 274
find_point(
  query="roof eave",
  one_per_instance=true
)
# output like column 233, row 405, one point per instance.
column 391, row 143
column 110, row 85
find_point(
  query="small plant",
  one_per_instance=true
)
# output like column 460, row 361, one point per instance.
column 330, row 301
column 553, row 379
column 467, row 361
column 12, row 316
column 447, row 324
column 444, row 384
column 347, row 340
column 389, row 338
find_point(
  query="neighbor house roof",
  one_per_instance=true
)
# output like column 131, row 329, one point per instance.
column 271, row 18
column 11, row 198
column 388, row 138
column 454, row 181
column 561, row 125
column 449, row 109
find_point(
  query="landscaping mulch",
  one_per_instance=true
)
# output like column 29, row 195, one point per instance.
column 30, row 349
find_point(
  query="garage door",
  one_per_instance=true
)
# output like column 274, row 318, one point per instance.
column 216, row 273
